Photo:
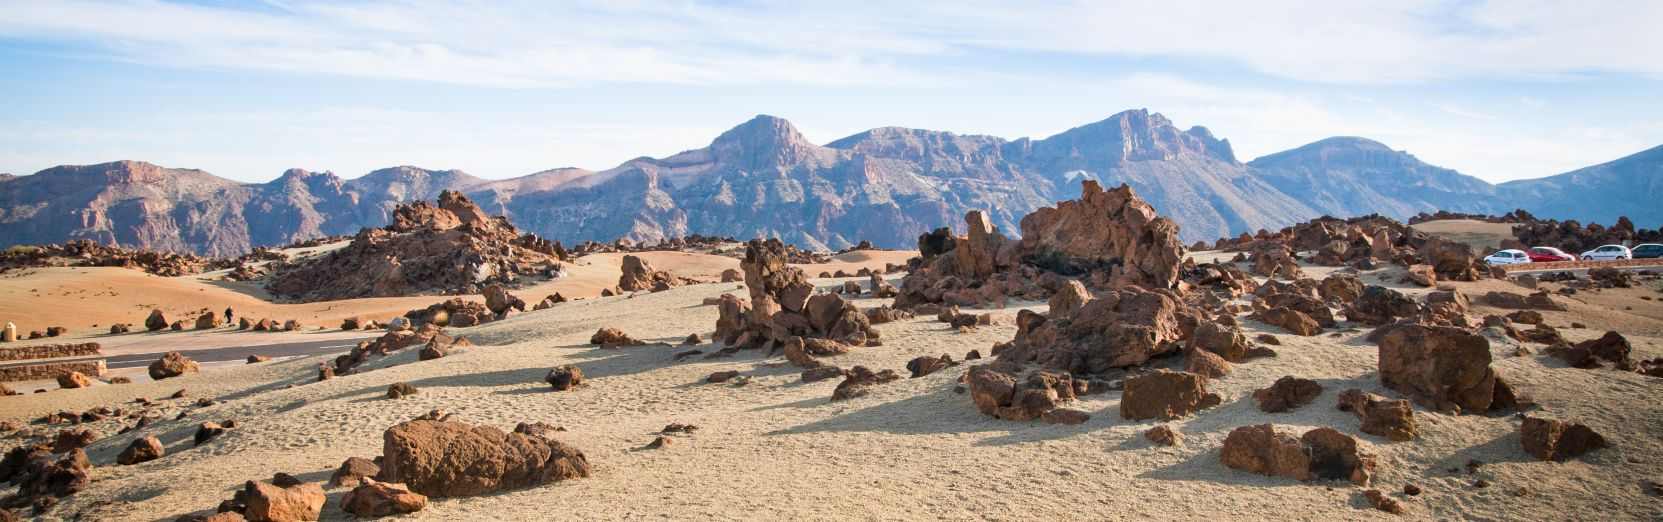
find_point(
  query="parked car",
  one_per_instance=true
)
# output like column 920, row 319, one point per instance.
column 1607, row 253
column 1648, row 251
column 1549, row 255
column 1507, row 257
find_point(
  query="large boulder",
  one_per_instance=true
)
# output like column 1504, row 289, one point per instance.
column 1378, row 305
column 143, row 449
column 1549, row 439
column 353, row 471
column 1068, row 299
column 266, row 501
column 207, row 321
column 452, row 459
column 1443, row 368
column 172, row 364
column 74, row 379
column 1119, row 328
column 1222, row 340
column 1113, row 229
column 1165, row 395
column 1003, row 391
column 1322, row 453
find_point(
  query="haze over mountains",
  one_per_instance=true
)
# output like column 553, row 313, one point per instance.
column 762, row 178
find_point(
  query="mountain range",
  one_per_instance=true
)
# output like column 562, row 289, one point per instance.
column 763, row 178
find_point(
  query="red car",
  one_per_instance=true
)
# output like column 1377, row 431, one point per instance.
column 1548, row 255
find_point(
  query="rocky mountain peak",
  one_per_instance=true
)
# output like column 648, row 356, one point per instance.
column 1137, row 135
column 763, row 142
column 1339, row 151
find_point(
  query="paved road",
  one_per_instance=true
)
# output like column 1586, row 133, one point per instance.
column 210, row 355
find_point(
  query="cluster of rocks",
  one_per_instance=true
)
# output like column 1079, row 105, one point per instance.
column 785, row 313
column 1360, row 242
column 1516, row 216
column 451, row 247
column 83, row 252
column 434, row 341
column 1574, row 237
column 1108, row 239
column 690, row 243
column 461, row 313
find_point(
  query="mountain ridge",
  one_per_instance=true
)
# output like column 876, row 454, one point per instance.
column 764, row 178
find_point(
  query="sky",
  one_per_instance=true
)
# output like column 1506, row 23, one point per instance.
column 245, row 90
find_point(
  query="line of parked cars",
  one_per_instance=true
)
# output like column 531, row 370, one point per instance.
column 1545, row 254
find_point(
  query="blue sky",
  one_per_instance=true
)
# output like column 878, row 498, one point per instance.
column 1499, row 90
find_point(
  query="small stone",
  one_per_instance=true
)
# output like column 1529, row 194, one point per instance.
column 1411, row 490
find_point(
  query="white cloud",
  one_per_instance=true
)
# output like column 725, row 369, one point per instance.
column 517, row 44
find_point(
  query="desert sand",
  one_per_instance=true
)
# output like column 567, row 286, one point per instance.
column 88, row 300
column 777, row 448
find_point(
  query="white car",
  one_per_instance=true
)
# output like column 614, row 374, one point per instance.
column 1508, row 257
column 1608, row 253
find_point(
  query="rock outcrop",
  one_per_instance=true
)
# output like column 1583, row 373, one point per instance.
column 447, row 248
column 1322, row 453
column 1443, row 368
column 452, row 459
column 172, row 364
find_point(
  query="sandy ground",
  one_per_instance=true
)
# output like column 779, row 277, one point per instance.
column 914, row 449
column 89, row 300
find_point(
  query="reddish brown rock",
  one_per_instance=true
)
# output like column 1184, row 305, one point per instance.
column 1548, row 439
column 1322, row 453
column 857, row 382
column 1223, row 340
column 565, row 377
column 1286, row 394
column 264, row 501
column 208, row 431
column 1065, row 416
column 926, row 365
column 1422, row 275
column 613, row 337
column 380, row 499
column 172, row 364
column 156, row 321
column 68, row 440
column 1379, row 305
column 1265, row 450
column 821, row 373
column 452, row 459
column 1294, row 321
column 353, row 471
column 1112, row 227
column 1206, row 364
column 1164, row 435
column 1393, row 419
column 1382, row 502
column 1443, row 368
column 1117, row 329
column 1002, row 391
column 143, row 449
column 73, row 380
column 1165, row 395
column 1069, row 298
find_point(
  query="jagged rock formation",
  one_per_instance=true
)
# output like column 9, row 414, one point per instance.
column 448, row 248
column 784, row 312
column 82, row 252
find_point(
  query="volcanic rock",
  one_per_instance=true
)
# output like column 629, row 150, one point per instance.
column 1393, row 419
column 73, row 380
column 1322, row 453
column 1165, row 395
column 156, row 321
column 172, row 364
column 1443, row 368
column 1002, row 391
column 142, row 449
column 1286, row 394
column 452, row 459
column 1117, row 329
column 264, row 501
column 353, row 471
column 374, row 499
column 565, row 378
column 857, row 382
column 1549, row 439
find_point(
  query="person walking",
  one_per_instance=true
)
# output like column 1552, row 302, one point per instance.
column 227, row 315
